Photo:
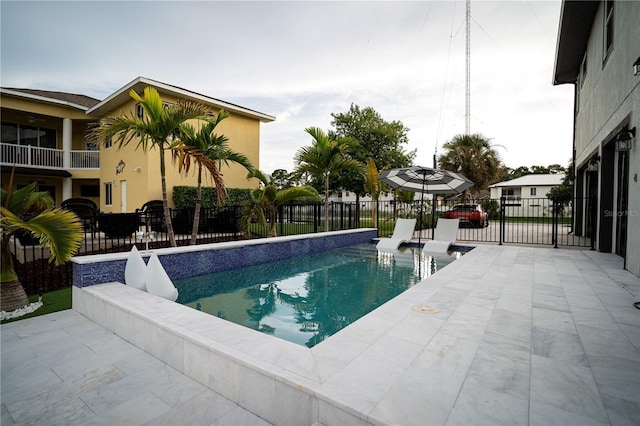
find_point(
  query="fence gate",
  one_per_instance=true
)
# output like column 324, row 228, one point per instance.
column 540, row 221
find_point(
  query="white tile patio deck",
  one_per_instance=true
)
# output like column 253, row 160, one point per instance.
column 523, row 336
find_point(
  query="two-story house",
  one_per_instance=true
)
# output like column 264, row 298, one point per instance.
column 526, row 195
column 598, row 51
column 44, row 134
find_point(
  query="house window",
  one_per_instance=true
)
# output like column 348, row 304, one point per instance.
column 19, row 134
column 9, row 133
column 139, row 111
column 533, row 191
column 608, row 28
column 108, row 194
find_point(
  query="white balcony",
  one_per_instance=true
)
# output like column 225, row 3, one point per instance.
column 47, row 158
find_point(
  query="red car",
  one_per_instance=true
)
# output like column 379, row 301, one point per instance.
column 469, row 215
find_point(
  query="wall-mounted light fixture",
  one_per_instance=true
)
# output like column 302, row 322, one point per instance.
column 636, row 67
column 138, row 169
column 624, row 140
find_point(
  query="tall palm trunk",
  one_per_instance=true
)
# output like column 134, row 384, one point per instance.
column 165, row 201
column 12, row 294
column 196, row 212
column 272, row 225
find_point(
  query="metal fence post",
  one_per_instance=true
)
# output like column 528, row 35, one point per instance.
column 555, row 220
column 280, row 219
column 501, row 236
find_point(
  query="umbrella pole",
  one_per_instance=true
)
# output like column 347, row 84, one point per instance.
column 421, row 208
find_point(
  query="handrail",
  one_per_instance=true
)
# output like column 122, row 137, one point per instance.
column 47, row 158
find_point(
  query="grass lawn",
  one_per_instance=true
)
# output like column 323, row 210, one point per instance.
column 54, row 301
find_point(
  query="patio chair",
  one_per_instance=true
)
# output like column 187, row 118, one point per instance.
column 402, row 233
column 444, row 235
column 85, row 209
column 152, row 215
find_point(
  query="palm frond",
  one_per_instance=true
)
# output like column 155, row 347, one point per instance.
column 58, row 229
column 283, row 196
column 255, row 173
column 199, row 157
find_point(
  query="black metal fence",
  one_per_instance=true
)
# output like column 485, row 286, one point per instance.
column 509, row 221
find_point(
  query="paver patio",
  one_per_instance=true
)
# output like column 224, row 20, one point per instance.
column 523, row 336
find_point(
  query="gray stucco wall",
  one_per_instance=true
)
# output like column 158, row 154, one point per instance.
column 608, row 99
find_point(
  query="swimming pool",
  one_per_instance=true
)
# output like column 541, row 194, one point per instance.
column 309, row 298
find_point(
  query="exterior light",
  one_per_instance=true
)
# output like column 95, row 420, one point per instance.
column 636, row 67
column 624, row 141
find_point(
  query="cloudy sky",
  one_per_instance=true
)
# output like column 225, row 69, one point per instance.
column 300, row 61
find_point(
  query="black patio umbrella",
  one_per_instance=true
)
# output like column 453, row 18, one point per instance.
column 425, row 180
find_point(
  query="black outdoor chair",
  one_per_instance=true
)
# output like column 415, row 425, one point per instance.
column 82, row 201
column 152, row 215
column 86, row 210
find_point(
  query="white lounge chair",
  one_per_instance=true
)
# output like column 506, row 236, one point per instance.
column 158, row 282
column 443, row 236
column 135, row 270
column 402, row 233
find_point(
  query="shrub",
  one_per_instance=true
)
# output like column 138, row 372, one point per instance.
column 185, row 196
column 492, row 207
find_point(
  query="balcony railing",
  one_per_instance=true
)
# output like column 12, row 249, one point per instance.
column 85, row 159
column 47, row 158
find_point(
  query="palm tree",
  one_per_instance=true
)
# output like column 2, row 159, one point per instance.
column 269, row 197
column 57, row 229
column 207, row 150
column 475, row 157
column 158, row 128
column 326, row 157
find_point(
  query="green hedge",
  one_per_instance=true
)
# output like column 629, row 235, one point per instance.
column 185, row 196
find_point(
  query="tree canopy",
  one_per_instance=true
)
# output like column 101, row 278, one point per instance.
column 475, row 157
column 508, row 173
column 283, row 179
column 373, row 137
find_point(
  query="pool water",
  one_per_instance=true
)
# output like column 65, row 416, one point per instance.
column 307, row 299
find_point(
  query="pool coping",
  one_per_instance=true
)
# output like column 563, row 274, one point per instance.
column 264, row 374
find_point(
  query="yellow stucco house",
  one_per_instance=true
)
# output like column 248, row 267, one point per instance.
column 44, row 134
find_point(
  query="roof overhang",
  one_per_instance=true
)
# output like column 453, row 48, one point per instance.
column 33, row 171
column 121, row 96
column 39, row 98
column 576, row 20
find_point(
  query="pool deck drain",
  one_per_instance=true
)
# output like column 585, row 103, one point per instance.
column 425, row 309
column 521, row 333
